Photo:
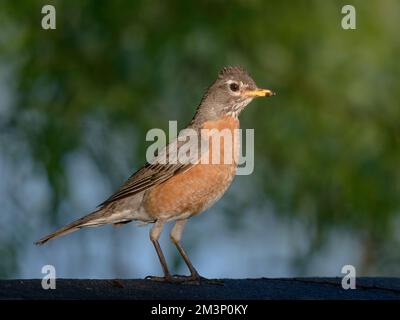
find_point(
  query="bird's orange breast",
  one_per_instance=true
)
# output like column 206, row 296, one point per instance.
column 196, row 189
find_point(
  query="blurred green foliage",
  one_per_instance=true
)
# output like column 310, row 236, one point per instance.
column 327, row 144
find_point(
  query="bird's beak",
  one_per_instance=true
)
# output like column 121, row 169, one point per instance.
column 259, row 93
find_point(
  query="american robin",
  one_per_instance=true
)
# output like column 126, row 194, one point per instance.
column 173, row 188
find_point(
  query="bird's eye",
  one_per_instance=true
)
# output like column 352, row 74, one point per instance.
column 234, row 86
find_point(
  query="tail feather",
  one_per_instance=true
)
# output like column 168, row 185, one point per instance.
column 93, row 219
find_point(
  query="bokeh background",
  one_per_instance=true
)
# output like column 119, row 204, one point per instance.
column 76, row 103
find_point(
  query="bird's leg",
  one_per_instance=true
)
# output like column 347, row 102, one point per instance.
column 176, row 235
column 154, row 236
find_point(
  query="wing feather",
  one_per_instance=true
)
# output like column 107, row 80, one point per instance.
column 164, row 166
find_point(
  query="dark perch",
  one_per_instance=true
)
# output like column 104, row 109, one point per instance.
column 286, row 288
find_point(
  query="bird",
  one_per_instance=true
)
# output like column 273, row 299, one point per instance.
column 170, row 188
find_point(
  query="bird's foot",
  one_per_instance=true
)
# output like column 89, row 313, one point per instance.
column 195, row 278
column 165, row 279
column 192, row 279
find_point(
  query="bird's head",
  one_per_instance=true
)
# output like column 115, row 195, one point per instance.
column 233, row 90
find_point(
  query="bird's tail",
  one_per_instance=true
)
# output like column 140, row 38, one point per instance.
column 93, row 219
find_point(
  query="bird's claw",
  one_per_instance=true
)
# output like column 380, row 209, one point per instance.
column 167, row 279
column 192, row 279
column 197, row 279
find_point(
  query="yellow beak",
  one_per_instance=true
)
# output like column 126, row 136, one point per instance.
column 259, row 93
